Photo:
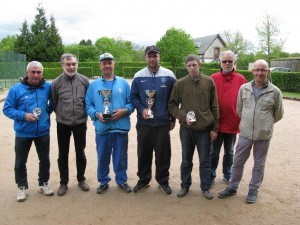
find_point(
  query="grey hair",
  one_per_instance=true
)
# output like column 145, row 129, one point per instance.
column 227, row 52
column 67, row 56
column 34, row 64
column 192, row 57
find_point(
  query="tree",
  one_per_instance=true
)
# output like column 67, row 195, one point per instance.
column 236, row 42
column 8, row 43
column 269, row 42
column 42, row 43
column 175, row 45
column 122, row 50
column 84, row 53
column 86, row 42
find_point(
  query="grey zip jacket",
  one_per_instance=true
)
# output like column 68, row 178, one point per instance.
column 68, row 98
column 258, row 115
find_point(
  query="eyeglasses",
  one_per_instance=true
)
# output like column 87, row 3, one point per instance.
column 227, row 61
column 260, row 70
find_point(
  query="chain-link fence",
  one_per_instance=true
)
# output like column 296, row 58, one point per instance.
column 12, row 67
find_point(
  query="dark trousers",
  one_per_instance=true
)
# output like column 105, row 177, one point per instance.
column 228, row 141
column 155, row 138
column 190, row 139
column 63, row 136
column 22, row 148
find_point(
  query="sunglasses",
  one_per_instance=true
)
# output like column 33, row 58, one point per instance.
column 227, row 61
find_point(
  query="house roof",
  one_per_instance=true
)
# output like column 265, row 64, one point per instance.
column 203, row 43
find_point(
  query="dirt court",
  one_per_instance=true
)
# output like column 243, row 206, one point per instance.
column 277, row 203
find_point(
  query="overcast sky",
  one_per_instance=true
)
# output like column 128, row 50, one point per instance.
column 146, row 21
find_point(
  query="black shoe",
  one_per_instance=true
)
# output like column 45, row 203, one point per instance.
column 227, row 193
column 252, row 195
column 140, row 187
column 102, row 188
column 125, row 187
column 165, row 188
column 182, row 192
column 208, row 195
column 62, row 190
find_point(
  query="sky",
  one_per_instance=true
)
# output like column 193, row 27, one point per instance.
column 144, row 22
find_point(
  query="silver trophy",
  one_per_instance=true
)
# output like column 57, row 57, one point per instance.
column 150, row 102
column 37, row 111
column 191, row 116
column 106, row 93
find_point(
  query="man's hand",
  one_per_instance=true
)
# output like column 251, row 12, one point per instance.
column 30, row 117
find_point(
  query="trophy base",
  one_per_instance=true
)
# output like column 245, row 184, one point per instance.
column 106, row 116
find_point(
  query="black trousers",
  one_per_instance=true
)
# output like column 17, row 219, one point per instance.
column 22, row 148
column 63, row 136
column 155, row 138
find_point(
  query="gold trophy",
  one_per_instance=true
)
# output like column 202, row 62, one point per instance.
column 106, row 93
column 37, row 111
column 191, row 116
column 150, row 102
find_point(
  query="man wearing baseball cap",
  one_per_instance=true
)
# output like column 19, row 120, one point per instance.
column 150, row 91
column 108, row 104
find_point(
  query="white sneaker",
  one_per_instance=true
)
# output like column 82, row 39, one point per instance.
column 22, row 194
column 46, row 190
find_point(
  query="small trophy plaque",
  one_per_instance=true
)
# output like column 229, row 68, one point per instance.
column 191, row 116
column 36, row 111
column 150, row 102
column 106, row 93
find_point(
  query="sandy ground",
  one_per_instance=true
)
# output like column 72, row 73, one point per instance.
column 278, row 200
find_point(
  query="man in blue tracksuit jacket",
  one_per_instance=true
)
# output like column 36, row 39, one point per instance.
column 153, row 133
column 28, row 104
column 111, row 133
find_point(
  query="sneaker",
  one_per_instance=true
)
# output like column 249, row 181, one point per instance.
column 182, row 192
column 165, row 188
column 62, row 190
column 208, row 195
column 227, row 193
column 46, row 190
column 140, row 187
column 22, row 194
column 102, row 188
column 251, row 197
column 84, row 186
column 125, row 187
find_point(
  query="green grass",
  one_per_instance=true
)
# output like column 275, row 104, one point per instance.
column 291, row 94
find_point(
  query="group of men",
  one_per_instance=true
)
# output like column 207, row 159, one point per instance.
column 211, row 112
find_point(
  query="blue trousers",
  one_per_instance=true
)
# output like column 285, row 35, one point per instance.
column 22, row 148
column 190, row 139
column 228, row 142
column 115, row 145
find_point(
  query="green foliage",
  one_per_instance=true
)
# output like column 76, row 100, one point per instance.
column 8, row 43
column 42, row 43
column 268, row 33
column 84, row 53
column 236, row 42
column 286, row 81
column 174, row 46
column 122, row 50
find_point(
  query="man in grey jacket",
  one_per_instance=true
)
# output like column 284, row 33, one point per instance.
column 259, row 106
column 68, row 95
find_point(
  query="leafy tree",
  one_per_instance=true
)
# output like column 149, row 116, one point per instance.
column 175, row 45
column 7, row 43
column 120, row 49
column 22, row 42
column 42, row 43
column 84, row 53
column 269, row 42
column 236, row 42
column 86, row 42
